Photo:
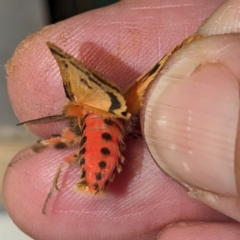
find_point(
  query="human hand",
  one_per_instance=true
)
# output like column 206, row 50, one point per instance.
column 142, row 200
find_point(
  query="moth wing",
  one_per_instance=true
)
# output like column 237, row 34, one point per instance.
column 134, row 95
column 86, row 88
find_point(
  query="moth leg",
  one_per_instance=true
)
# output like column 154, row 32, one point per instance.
column 133, row 129
column 67, row 139
column 70, row 159
column 136, row 134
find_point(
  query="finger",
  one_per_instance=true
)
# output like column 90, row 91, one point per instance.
column 201, row 231
column 120, row 42
column 138, row 204
column 195, row 106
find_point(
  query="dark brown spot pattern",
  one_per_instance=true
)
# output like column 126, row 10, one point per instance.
column 83, row 141
column 98, row 176
column 83, row 174
column 108, row 122
column 105, row 151
column 106, row 136
column 82, row 162
column 82, row 151
column 102, row 164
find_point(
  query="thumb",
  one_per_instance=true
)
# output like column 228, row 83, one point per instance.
column 191, row 117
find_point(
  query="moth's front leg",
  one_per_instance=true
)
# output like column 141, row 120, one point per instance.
column 69, row 159
column 68, row 138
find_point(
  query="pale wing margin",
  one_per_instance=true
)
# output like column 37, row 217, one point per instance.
column 134, row 95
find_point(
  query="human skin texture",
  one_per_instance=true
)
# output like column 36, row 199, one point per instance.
column 121, row 42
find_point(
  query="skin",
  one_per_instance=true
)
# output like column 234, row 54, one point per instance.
column 142, row 202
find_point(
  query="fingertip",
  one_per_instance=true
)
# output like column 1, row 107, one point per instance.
column 191, row 116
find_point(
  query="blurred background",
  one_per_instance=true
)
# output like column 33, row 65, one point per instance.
column 18, row 19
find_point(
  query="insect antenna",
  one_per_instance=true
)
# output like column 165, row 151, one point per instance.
column 42, row 120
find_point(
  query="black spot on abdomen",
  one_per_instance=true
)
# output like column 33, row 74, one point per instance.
column 82, row 151
column 83, row 141
column 106, row 136
column 105, row 151
column 108, row 122
column 102, row 164
column 82, row 162
column 98, row 176
column 83, row 174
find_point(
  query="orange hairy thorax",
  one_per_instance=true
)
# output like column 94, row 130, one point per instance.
column 100, row 115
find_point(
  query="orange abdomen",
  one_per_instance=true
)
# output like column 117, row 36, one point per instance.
column 101, row 152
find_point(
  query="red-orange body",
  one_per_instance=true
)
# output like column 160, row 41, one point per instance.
column 100, row 152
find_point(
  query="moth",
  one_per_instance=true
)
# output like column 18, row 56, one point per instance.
column 99, row 117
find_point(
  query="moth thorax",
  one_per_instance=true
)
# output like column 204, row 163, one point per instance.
column 73, row 110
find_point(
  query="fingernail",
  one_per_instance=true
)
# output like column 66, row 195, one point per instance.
column 224, row 204
column 190, row 127
column 222, row 20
